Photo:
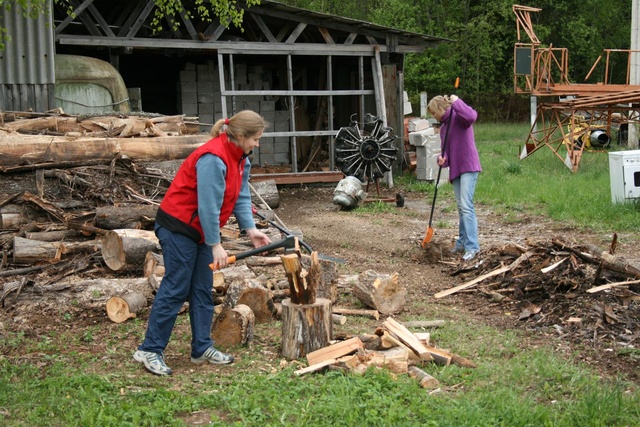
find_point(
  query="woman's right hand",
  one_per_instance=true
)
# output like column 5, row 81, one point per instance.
column 220, row 257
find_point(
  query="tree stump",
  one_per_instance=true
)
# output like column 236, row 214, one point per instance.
column 233, row 326
column 120, row 309
column 305, row 327
column 380, row 291
column 126, row 249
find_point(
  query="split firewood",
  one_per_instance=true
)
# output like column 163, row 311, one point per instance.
column 356, row 312
column 335, row 351
column 315, row 368
column 126, row 249
column 326, row 286
column 404, row 335
column 381, row 292
column 125, row 307
column 302, row 283
column 223, row 278
column 123, row 217
column 153, row 264
column 233, row 326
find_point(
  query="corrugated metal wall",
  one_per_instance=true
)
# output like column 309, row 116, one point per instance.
column 27, row 68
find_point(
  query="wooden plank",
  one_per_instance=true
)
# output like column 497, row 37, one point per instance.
column 299, row 178
column 407, row 337
column 316, row 367
column 335, row 351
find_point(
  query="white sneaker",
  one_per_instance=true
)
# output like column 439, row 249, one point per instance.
column 469, row 255
column 154, row 362
column 215, row 356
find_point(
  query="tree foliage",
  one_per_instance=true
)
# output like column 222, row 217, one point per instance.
column 483, row 35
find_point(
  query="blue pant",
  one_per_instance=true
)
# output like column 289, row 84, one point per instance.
column 464, row 187
column 187, row 277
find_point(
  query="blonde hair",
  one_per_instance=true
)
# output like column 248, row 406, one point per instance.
column 438, row 105
column 245, row 124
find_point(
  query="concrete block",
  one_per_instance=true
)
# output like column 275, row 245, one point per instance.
column 416, row 125
column 188, row 76
column 205, row 108
column 267, row 106
column 282, row 158
column 281, row 147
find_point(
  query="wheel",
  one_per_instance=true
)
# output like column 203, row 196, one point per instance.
column 399, row 200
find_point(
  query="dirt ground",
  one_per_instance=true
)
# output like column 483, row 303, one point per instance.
column 605, row 336
column 389, row 242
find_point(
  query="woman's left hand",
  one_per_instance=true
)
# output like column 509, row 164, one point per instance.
column 258, row 238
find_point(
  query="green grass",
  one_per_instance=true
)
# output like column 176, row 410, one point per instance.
column 541, row 184
column 516, row 384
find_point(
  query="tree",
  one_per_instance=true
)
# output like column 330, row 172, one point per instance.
column 228, row 11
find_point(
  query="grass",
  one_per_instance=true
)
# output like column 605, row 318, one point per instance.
column 517, row 383
column 541, row 185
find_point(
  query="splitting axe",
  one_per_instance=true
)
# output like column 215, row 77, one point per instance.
column 289, row 244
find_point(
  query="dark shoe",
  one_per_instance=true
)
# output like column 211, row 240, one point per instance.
column 154, row 362
column 215, row 356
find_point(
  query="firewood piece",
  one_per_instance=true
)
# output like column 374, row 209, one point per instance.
column 315, row 368
column 260, row 301
column 123, row 217
column 305, row 327
column 233, row 326
column 380, row 291
column 390, row 340
column 425, row 380
column 153, row 264
column 327, row 286
column 122, row 308
column 223, row 278
column 356, row 312
column 302, row 283
column 423, row 323
column 260, row 261
column 126, row 249
column 522, row 258
column 407, row 338
column 82, row 246
column 26, row 251
column 335, row 351
column 268, row 191
column 347, row 281
column 424, row 337
column 338, row 319
column 51, row 236
column 611, row 286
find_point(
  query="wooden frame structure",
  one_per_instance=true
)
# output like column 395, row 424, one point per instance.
column 573, row 111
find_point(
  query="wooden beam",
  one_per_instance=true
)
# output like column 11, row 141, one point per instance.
column 299, row 178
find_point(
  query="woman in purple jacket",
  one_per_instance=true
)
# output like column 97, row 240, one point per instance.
column 461, row 156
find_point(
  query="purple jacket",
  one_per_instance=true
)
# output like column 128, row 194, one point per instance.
column 461, row 151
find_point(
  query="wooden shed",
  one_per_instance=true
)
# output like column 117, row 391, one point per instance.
column 307, row 73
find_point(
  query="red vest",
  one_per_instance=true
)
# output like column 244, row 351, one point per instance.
column 181, row 200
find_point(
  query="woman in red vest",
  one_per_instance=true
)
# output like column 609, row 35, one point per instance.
column 211, row 184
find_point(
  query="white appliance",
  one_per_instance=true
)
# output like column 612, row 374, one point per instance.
column 624, row 173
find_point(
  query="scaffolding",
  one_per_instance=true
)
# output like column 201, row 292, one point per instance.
column 573, row 117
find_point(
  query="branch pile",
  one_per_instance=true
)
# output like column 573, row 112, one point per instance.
column 575, row 288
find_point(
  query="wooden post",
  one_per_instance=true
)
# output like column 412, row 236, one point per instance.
column 305, row 327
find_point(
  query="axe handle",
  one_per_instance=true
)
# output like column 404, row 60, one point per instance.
column 214, row 265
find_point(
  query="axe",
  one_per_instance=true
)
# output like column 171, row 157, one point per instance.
column 289, row 243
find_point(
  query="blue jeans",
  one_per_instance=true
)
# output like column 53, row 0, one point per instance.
column 187, row 277
column 464, row 187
